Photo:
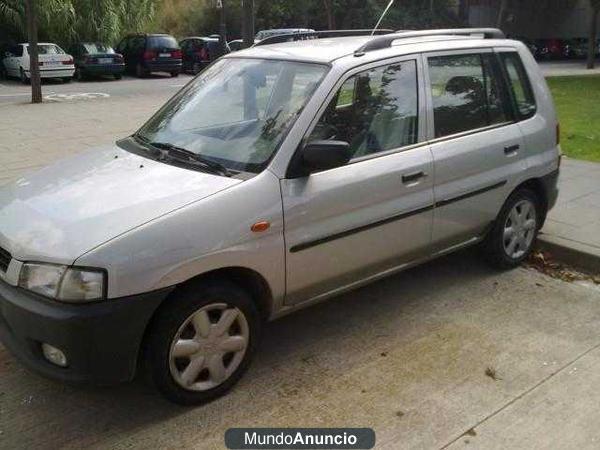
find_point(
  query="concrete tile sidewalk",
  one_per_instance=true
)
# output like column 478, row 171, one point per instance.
column 574, row 223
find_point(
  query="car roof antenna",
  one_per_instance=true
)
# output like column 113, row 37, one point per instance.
column 382, row 16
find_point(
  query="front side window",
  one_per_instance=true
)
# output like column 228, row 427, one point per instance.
column 237, row 111
column 519, row 84
column 374, row 111
column 466, row 93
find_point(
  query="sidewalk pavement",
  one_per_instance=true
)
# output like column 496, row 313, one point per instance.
column 567, row 68
column 572, row 229
column 35, row 135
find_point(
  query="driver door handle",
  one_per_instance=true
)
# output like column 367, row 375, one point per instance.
column 413, row 177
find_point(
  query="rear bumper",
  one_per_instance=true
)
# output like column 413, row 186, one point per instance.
column 100, row 340
column 163, row 66
column 104, row 69
column 550, row 183
column 54, row 73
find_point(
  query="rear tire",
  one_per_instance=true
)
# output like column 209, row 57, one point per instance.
column 174, row 74
column 118, row 76
column 79, row 76
column 67, row 79
column 514, row 231
column 204, row 315
column 140, row 72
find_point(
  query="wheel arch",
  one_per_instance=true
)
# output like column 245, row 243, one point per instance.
column 538, row 188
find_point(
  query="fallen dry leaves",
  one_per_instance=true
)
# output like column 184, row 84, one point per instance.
column 544, row 262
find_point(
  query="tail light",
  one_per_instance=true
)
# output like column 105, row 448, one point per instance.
column 176, row 54
column 68, row 62
column 203, row 54
column 149, row 54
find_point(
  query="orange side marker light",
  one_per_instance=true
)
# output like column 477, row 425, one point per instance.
column 261, row 226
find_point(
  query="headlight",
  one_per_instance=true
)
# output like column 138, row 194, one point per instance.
column 68, row 284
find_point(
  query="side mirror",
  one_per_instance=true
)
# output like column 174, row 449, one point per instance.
column 323, row 155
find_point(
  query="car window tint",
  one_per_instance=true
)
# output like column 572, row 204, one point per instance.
column 466, row 93
column 374, row 111
column 162, row 42
column 519, row 84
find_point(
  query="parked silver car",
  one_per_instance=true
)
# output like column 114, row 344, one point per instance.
column 282, row 175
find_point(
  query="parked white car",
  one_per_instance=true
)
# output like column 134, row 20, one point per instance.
column 54, row 62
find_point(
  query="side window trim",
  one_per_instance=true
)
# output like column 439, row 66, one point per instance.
column 422, row 129
column 428, row 96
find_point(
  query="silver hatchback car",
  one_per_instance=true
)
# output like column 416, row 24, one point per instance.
column 280, row 176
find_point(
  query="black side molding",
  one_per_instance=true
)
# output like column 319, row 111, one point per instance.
column 333, row 237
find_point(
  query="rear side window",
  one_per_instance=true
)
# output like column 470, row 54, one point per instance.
column 162, row 42
column 466, row 93
column 374, row 111
column 519, row 85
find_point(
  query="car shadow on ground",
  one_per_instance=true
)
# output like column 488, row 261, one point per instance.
column 86, row 414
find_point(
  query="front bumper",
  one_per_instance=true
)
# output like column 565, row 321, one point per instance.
column 100, row 340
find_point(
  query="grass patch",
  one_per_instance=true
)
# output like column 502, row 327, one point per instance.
column 577, row 101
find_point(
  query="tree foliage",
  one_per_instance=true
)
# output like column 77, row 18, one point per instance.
column 66, row 21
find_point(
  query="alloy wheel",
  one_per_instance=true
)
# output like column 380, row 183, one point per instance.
column 208, row 347
column 519, row 229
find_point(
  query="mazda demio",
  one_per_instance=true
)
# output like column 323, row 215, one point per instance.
column 280, row 176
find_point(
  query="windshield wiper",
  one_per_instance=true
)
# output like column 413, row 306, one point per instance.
column 187, row 156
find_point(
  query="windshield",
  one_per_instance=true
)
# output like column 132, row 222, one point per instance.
column 97, row 48
column 237, row 111
column 48, row 49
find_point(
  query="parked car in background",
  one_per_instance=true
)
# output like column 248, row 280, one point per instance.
column 531, row 45
column 263, row 34
column 97, row 59
column 148, row 53
column 552, row 49
column 236, row 44
column 198, row 52
column 576, row 48
column 54, row 62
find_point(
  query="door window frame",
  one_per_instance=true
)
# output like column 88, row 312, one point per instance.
column 527, row 86
column 429, row 95
column 421, row 108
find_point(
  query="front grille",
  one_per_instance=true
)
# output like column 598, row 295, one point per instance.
column 5, row 258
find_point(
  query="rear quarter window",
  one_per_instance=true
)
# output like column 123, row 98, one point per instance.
column 519, row 85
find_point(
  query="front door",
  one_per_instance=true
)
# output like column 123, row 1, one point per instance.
column 373, row 215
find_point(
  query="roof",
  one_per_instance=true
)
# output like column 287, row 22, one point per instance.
column 327, row 50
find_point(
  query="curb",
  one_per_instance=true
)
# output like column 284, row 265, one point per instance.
column 574, row 253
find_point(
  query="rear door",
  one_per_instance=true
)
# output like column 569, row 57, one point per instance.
column 373, row 215
column 476, row 144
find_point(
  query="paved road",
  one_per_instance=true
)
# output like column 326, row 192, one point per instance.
column 14, row 91
column 406, row 356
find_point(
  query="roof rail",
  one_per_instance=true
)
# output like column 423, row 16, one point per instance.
column 386, row 41
column 291, row 37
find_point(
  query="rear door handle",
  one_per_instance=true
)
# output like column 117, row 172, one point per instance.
column 413, row 177
column 511, row 149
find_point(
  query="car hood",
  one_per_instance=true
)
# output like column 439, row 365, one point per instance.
column 64, row 210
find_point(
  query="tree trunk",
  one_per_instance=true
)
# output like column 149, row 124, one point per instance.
column 591, row 59
column 501, row 11
column 34, row 67
column 330, row 14
column 248, row 23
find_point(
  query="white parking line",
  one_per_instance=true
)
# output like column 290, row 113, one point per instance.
column 14, row 95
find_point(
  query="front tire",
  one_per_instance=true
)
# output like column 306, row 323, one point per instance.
column 513, row 234
column 201, row 341
column 140, row 72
